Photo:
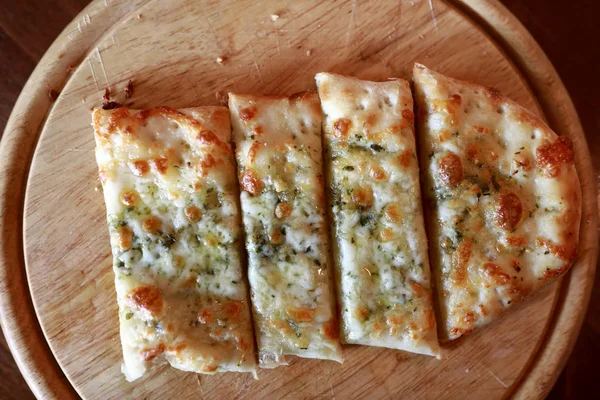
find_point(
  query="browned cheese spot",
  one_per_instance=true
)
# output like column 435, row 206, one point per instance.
column 386, row 234
column 460, row 260
column 205, row 317
column 151, row 225
column 129, row 197
column 252, row 151
column 145, row 298
column 161, row 164
column 246, row 114
column 509, row 211
column 481, row 129
column 408, row 115
column 139, row 167
column 456, row 99
column 124, row 237
column 362, row 313
column 451, row 169
column 330, row 329
column 516, row 241
column 258, row 130
column 494, row 274
column 283, row 209
column 193, row 213
column 455, row 331
column 207, row 161
column 207, row 137
column 550, row 156
column 301, row 314
column 232, row 309
column 393, row 212
column 363, row 196
column 404, row 158
column 275, row 236
column 377, row 173
column 473, row 152
column 341, row 128
column 562, row 252
column 209, row 368
column 469, row 318
column 250, row 183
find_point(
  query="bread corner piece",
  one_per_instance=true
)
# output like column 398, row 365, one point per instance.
column 278, row 148
column 505, row 199
column 170, row 190
column 381, row 259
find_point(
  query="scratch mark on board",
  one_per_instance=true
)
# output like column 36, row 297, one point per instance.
column 432, row 14
column 498, row 379
column 83, row 23
column 93, row 73
column 277, row 36
column 255, row 63
column 351, row 23
column 332, row 391
column 102, row 65
column 212, row 29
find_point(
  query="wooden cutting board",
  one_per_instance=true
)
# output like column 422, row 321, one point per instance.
column 57, row 299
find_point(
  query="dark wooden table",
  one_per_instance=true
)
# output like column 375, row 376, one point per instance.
column 567, row 31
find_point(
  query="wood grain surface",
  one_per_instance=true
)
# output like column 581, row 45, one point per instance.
column 99, row 284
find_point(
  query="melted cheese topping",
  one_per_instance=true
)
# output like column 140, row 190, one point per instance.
column 278, row 142
column 381, row 250
column 171, row 198
column 504, row 195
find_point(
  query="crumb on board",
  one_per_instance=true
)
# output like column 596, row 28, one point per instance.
column 274, row 17
column 222, row 97
column 111, row 105
column 140, row 16
column 128, row 90
column 309, row 52
column 83, row 99
column 220, row 59
column 106, row 95
column 53, row 94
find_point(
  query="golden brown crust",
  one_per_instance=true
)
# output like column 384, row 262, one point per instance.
column 147, row 299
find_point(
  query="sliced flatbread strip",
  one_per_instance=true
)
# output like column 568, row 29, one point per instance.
column 278, row 142
column 504, row 198
column 380, row 245
column 170, row 188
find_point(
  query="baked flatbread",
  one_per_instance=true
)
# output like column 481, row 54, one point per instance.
column 278, row 142
column 380, row 244
column 503, row 196
column 170, row 188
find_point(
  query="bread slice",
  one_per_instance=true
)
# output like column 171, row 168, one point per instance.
column 278, row 142
column 173, row 216
column 503, row 197
column 381, row 249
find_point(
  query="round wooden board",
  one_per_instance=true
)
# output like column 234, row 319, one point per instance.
column 53, row 234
